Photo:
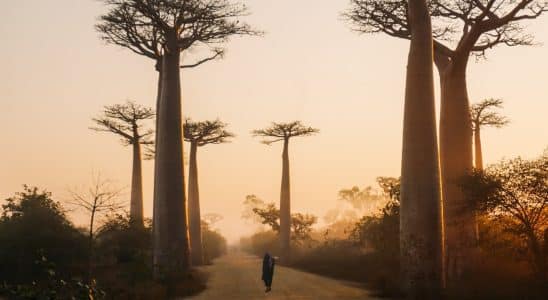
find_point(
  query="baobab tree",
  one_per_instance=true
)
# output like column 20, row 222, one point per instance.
column 199, row 134
column 482, row 116
column 461, row 29
column 279, row 132
column 162, row 30
column 125, row 120
column 420, row 210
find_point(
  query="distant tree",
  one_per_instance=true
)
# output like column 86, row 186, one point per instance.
column 214, row 243
column 99, row 199
column 125, row 120
column 390, row 186
column 361, row 200
column 33, row 228
column 162, row 30
column 482, row 116
column 461, row 29
column 199, row 134
column 515, row 192
column 284, row 132
column 212, row 218
column 250, row 203
column 268, row 214
column 381, row 230
column 301, row 226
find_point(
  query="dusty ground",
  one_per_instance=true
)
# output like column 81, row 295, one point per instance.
column 238, row 276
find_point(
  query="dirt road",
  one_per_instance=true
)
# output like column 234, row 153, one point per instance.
column 237, row 276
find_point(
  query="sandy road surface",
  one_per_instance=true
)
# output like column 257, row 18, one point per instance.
column 237, row 276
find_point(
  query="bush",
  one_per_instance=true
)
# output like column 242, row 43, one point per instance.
column 515, row 193
column 123, row 255
column 34, row 226
column 380, row 232
column 43, row 256
column 214, row 243
column 343, row 259
column 262, row 242
column 51, row 286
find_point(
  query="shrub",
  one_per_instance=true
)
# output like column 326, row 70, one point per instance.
column 33, row 226
column 214, row 243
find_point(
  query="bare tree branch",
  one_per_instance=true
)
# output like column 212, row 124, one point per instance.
column 283, row 131
column 482, row 115
column 125, row 121
column 467, row 26
column 206, row 132
column 149, row 27
column 217, row 53
column 99, row 197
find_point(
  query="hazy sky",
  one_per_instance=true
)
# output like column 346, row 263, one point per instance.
column 56, row 74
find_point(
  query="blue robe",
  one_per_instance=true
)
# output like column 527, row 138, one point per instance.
column 268, row 269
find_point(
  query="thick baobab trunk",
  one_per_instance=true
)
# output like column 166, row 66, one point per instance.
column 477, row 149
column 136, row 202
column 285, row 207
column 171, row 253
column 456, row 162
column 158, row 68
column 421, row 209
column 194, row 223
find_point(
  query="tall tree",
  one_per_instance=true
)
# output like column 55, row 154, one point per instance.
column 162, row 30
column 125, row 120
column 278, row 132
column 420, row 211
column 461, row 28
column 199, row 134
column 482, row 116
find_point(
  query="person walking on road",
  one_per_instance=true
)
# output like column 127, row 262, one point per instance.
column 268, row 271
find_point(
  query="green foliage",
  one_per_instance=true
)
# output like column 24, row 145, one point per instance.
column 125, row 246
column 33, row 226
column 51, row 286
